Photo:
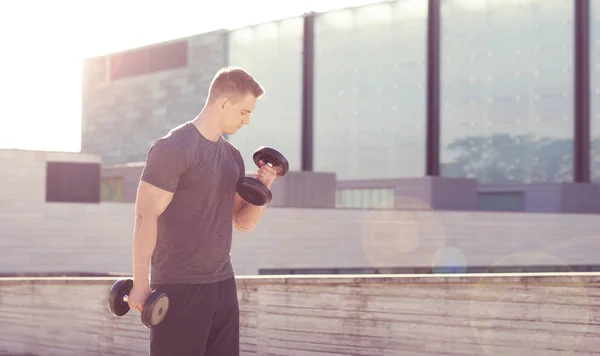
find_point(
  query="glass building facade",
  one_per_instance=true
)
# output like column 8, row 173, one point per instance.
column 272, row 52
column 506, row 84
column 369, row 91
column 485, row 89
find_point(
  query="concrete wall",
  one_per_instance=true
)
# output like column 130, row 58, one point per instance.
column 323, row 190
column 121, row 119
column 447, row 193
column 410, row 316
column 23, row 177
column 304, row 190
column 38, row 237
column 62, row 237
column 294, row 190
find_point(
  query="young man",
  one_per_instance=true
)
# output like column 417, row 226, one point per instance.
column 185, row 210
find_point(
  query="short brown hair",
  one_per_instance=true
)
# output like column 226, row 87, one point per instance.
column 234, row 82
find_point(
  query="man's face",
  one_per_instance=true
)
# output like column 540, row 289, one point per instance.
column 236, row 113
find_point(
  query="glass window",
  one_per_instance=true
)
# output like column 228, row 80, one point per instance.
column 369, row 91
column 272, row 53
column 112, row 189
column 343, row 198
column 507, row 90
column 595, row 90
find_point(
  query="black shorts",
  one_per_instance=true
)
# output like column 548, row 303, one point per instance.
column 203, row 320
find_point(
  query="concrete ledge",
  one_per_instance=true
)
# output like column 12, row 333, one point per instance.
column 335, row 279
column 475, row 314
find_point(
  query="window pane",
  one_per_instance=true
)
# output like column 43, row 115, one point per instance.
column 507, row 90
column 272, row 53
column 147, row 60
column 369, row 108
column 112, row 189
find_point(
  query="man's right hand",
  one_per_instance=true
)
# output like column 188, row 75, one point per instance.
column 138, row 295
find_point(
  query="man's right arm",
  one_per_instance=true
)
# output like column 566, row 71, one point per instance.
column 151, row 202
column 165, row 165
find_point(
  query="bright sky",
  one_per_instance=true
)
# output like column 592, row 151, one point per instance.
column 44, row 42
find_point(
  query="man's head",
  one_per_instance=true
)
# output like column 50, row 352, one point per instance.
column 232, row 96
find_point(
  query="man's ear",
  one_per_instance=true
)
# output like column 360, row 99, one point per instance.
column 222, row 102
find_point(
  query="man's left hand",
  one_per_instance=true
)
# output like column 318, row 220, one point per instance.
column 266, row 174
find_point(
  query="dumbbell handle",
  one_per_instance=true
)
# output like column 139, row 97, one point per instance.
column 125, row 298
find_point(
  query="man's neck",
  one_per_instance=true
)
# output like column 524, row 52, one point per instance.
column 208, row 125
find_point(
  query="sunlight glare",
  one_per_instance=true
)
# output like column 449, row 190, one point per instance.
column 42, row 74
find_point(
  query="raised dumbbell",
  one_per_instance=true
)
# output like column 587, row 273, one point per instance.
column 254, row 191
column 154, row 309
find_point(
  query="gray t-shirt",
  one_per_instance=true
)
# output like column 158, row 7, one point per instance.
column 195, row 231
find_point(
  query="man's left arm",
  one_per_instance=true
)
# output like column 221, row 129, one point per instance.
column 245, row 215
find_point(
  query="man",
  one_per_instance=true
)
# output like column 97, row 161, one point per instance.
column 185, row 210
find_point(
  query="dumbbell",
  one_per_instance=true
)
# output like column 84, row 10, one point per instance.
column 154, row 309
column 254, row 191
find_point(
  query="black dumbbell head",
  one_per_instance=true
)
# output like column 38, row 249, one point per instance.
column 253, row 191
column 271, row 155
column 119, row 289
column 155, row 309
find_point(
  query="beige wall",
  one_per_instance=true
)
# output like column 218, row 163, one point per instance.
column 23, row 177
column 38, row 237
column 410, row 316
column 59, row 237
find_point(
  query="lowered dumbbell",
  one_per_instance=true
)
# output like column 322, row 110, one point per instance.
column 254, row 191
column 154, row 309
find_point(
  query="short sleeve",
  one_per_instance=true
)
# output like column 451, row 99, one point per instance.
column 241, row 164
column 165, row 164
